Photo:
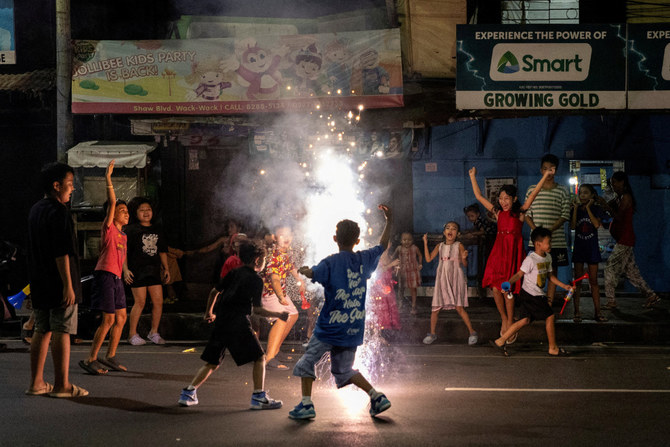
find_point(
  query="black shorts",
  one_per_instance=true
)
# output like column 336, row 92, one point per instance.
column 533, row 307
column 240, row 340
column 146, row 281
column 108, row 293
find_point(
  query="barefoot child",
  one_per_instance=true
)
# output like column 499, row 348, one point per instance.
column 535, row 271
column 241, row 297
column 341, row 324
column 410, row 266
column 451, row 287
column 108, row 295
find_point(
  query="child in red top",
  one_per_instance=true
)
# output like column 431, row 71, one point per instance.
column 108, row 292
column 410, row 266
column 233, row 260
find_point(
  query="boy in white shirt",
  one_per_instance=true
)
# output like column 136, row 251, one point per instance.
column 534, row 305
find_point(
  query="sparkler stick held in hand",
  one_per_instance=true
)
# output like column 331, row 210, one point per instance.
column 568, row 297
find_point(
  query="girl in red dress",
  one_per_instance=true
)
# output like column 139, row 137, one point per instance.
column 507, row 253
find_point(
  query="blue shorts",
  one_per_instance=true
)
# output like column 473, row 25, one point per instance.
column 341, row 361
column 108, row 294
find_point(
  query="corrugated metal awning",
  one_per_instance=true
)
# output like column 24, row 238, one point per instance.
column 90, row 154
column 31, row 82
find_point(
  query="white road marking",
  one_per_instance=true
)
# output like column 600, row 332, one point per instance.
column 557, row 390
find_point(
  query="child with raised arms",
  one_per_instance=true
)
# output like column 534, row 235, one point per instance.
column 451, row 287
column 235, row 298
column 341, row 325
column 507, row 253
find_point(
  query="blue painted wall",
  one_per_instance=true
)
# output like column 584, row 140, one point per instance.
column 513, row 148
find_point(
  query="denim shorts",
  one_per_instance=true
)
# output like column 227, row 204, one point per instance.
column 58, row 319
column 341, row 361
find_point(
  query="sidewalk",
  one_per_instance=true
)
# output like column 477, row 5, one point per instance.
column 629, row 324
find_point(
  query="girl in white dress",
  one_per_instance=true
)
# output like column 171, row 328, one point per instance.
column 451, row 288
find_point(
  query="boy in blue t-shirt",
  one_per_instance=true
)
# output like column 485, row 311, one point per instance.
column 341, row 324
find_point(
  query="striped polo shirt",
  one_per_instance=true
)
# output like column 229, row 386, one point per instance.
column 547, row 208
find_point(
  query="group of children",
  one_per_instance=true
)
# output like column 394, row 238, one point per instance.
column 241, row 293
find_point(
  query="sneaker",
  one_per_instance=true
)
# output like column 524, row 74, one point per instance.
column 379, row 404
column 156, row 338
column 188, row 398
column 305, row 344
column 302, row 411
column 430, row 338
column 262, row 401
column 473, row 339
column 136, row 340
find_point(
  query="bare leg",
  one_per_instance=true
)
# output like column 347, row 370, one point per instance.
column 551, row 291
column 100, row 334
column 579, row 271
column 513, row 329
column 595, row 288
column 156, row 294
column 412, row 291
column 38, row 356
column 60, row 351
column 203, row 373
column 289, row 325
column 465, row 317
column 259, row 373
column 115, row 334
column 306, row 385
column 433, row 320
column 140, row 297
column 361, row 382
column 551, row 335
column 501, row 306
column 274, row 338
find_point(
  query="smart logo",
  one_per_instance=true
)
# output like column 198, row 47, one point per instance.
column 508, row 63
column 540, row 62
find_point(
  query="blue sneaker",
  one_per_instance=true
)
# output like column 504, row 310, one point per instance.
column 262, row 401
column 379, row 404
column 188, row 398
column 302, row 411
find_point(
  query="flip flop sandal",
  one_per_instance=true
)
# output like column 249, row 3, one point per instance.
column 652, row 301
column 502, row 349
column 601, row 319
column 512, row 339
column 112, row 364
column 577, row 319
column 561, row 353
column 48, row 388
column 274, row 364
column 75, row 392
column 93, row 368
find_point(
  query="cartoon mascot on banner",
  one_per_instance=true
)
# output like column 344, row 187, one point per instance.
column 257, row 69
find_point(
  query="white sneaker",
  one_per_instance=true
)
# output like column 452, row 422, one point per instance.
column 156, row 338
column 473, row 339
column 136, row 340
column 430, row 338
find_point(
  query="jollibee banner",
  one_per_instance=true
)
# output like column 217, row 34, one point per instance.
column 231, row 76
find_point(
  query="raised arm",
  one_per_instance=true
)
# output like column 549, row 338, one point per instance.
column 386, row 234
column 111, row 195
column 594, row 219
column 429, row 256
column 478, row 192
column 573, row 217
column 538, row 188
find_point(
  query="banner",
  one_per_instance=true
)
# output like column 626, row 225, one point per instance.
column 649, row 66
column 541, row 67
column 232, row 76
column 7, row 45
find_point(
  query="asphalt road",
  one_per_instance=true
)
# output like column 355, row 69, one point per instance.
column 440, row 394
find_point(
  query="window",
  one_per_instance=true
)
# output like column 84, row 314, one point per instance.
column 540, row 11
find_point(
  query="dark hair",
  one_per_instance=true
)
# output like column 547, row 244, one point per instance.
column 621, row 176
column 347, row 232
column 472, row 208
column 134, row 205
column 105, row 206
column 53, row 172
column 510, row 190
column 539, row 233
column 594, row 193
column 250, row 251
column 551, row 158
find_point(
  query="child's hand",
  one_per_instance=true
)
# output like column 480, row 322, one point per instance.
column 550, row 171
column 305, row 271
column 425, row 238
column 386, row 210
column 110, row 169
column 128, row 277
column 209, row 317
column 395, row 263
column 589, row 203
column 472, row 172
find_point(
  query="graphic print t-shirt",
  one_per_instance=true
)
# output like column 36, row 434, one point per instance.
column 144, row 245
column 536, row 271
column 344, row 278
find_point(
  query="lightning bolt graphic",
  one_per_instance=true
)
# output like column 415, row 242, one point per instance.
column 471, row 59
column 630, row 45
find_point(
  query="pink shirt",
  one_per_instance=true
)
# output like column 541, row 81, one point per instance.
column 113, row 250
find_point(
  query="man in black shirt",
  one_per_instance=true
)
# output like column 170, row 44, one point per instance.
column 55, row 282
column 240, row 292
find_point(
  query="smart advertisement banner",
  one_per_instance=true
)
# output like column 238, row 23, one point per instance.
column 541, row 67
column 231, row 76
column 649, row 66
column 7, row 46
